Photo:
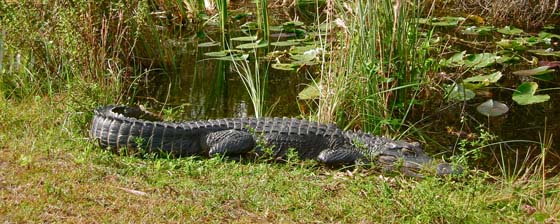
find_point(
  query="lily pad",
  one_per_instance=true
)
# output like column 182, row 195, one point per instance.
column 543, row 35
column 309, row 93
column 533, row 72
column 550, row 64
column 475, row 30
column 513, row 45
column 485, row 79
column 454, row 61
column 459, row 93
column 223, row 53
column 529, row 41
column 303, row 57
column 480, row 60
column 242, row 15
column 443, row 21
column 507, row 59
column 291, row 26
column 254, row 45
column 492, row 108
column 285, row 67
column 525, row 94
column 546, row 52
column 209, row 44
column 285, row 43
column 216, row 54
column 242, row 57
column 249, row 26
column 509, row 30
column 302, row 49
column 282, row 35
column 245, row 38
column 275, row 28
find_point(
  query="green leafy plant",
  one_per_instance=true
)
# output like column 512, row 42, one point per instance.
column 471, row 150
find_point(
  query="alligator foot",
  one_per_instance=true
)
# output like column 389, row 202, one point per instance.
column 337, row 157
column 229, row 142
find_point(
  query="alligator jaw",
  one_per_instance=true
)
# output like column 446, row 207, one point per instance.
column 413, row 169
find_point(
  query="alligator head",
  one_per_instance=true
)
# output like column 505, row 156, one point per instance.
column 406, row 157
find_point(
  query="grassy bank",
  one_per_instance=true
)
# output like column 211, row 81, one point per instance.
column 52, row 172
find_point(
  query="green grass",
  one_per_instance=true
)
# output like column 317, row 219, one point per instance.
column 52, row 172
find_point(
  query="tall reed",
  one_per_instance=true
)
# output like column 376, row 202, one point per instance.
column 262, row 18
column 253, row 81
column 378, row 72
column 223, row 13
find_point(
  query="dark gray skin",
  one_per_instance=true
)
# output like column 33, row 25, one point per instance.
column 132, row 127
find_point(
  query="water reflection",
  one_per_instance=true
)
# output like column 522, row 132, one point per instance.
column 206, row 88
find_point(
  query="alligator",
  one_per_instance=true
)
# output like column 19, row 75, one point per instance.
column 132, row 127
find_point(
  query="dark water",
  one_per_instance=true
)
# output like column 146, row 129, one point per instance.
column 205, row 88
column 201, row 87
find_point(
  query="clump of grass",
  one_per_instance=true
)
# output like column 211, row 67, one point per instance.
column 382, row 63
column 253, row 80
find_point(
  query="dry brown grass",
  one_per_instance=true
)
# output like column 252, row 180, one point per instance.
column 527, row 14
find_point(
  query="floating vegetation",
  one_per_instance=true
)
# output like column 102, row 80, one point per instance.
column 442, row 21
column 485, row 79
column 525, row 94
column 492, row 108
column 290, row 46
column 311, row 92
column 509, row 30
column 470, row 60
column 543, row 70
column 478, row 30
column 458, row 92
column 245, row 38
column 209, row 44
column 253, row 45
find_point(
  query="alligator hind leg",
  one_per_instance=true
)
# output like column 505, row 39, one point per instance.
column 229, row 142
column 338, row 157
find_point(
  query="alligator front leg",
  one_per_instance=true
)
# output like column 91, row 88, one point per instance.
column 229, row 142
column 338, row 157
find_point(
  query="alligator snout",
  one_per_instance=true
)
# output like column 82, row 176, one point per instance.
column 444, row 169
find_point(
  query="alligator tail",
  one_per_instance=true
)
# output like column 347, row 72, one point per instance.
column 116, row 129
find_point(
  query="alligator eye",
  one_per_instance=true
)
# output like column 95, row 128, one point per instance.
column 416, row 144
column 393, row 146
column 408, row 152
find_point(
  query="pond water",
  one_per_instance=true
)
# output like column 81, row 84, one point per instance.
column 202, row 88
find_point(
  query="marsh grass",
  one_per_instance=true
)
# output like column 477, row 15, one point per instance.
column 254, row 80
column 382, row 62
